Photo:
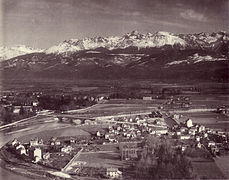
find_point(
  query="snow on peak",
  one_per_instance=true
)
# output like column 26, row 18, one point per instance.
column 196, row 58
column 17, row 50
column 134, row 38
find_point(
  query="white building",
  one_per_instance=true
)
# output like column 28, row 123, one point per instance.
column 14, row 142
column 201, row 128
column 113, row 173
column 211, row 143
column 189, row 123
column 36, row 154
column 147, row 98
column 66, row 149
column 185, row 137
column 98, row 134
column 21, row 149
column 198, row 138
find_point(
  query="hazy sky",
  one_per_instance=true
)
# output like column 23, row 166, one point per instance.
column 43, row 23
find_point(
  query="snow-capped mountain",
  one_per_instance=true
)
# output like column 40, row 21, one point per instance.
column 133, row 39
column 160, row 55
column 18, row 50
column 196, row 58
column 138, row 40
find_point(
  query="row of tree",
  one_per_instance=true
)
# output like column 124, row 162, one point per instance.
column 7, row 115
column 62, row 103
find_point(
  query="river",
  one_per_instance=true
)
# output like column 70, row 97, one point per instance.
column 10, row 135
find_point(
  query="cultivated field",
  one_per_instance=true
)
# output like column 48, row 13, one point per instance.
column 209, row 119
column 101, row 159
column 47, row 134
column 222, row 163
column 207, row 170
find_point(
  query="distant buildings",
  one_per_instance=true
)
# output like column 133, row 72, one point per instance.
column 36, row 142
column 147, row 98
column 113, row 173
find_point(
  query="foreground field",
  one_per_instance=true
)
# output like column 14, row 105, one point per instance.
column 207, row 170
column 101, row 159
column 222, row 163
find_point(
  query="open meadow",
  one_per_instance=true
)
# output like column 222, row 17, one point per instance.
column 209, row 119
column 101, row 159
column 47, row 134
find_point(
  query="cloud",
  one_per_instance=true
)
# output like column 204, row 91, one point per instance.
column 192, row 15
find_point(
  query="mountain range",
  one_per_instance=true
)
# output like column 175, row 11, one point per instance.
column 159, row 56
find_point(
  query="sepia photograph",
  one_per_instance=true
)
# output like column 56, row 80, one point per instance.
column 114, row 89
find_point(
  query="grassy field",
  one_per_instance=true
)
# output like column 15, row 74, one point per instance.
column 210, row 100
column 47, row 134
column 207, row 170
column 101, row 159
column 117, row 107
column 222, row 163
column 209, row 119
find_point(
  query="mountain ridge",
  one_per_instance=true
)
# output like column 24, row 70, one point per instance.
column 197, row 57
column 132, row 39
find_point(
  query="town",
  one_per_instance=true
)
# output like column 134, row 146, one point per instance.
column 113, row 131
column 123, row 137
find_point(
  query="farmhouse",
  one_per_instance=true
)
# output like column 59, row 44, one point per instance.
column 185, row 137
column 35, row 154
column 189, row 123
column 147, row 98
column 113, row 173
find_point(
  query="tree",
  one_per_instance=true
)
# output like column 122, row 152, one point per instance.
column 22, row 111
column 160, row 160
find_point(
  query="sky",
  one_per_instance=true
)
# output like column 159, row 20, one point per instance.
column 44, row 23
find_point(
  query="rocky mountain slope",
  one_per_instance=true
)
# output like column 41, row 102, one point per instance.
column 11, row 52
column 162, row 56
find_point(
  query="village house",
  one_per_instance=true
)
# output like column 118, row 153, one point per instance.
column 20, row 149
column 36, row 142
column 199, row 145
column 192, row 131
column 66, row 149
column 55, row 142
column 15, row 142
column 159, row 131
column 189, row 123
column 184, row 137
column 46, row 155
column 178, row 133
column 113, row 173
column 198, row 138
column 35, row 154
column 201, row 128
column 211, row 143
column 147, row 98
column 176, row 116
column 183, row 129
column 16, row 110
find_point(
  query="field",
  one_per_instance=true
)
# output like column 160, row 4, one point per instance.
column 209, row 119
column 47, row 134
column 222, row 163
column 209, row 100
column 101, row 159
column 207, row 170
column 116, row 107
